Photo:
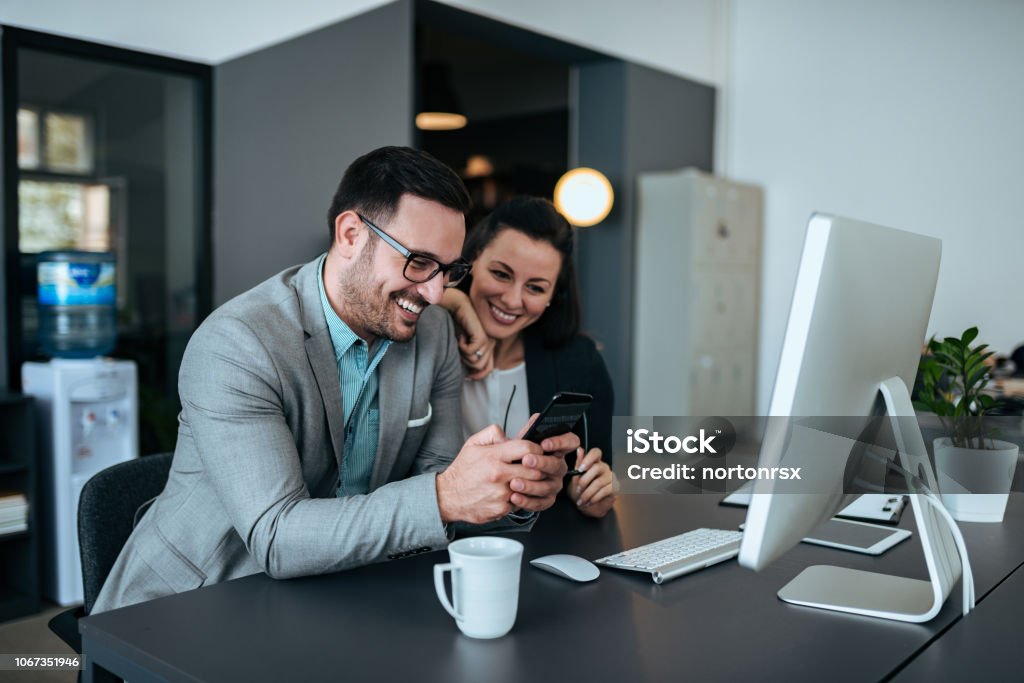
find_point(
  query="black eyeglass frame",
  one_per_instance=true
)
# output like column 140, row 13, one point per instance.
column 444, row 268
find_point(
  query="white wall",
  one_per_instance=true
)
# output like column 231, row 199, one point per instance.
column 909, row 114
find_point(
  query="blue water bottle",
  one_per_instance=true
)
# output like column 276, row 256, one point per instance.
column 77, row 303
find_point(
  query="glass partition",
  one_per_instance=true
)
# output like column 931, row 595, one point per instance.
column 112, row 155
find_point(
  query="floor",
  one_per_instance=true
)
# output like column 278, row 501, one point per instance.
column 30, row 636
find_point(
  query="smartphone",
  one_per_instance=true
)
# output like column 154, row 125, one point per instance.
column 858, row 537
column 562, row 414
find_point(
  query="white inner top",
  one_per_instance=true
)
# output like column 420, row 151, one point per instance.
column 484, row 401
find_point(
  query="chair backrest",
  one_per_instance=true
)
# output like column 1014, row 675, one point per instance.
column 107, row 514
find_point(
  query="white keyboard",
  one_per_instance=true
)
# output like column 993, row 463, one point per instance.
column 678, row 555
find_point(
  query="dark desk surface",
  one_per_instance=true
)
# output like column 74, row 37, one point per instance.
column 984, row 646
column 383, row 622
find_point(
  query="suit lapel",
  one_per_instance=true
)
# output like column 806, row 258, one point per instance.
column 396, row 374
column 320, row 353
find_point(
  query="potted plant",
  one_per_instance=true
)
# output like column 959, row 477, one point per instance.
column 974, row 469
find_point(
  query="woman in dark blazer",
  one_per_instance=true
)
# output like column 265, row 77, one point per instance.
column 518, row 315
column 575, row 366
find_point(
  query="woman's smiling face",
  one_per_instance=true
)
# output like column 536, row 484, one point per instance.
column 513, row 281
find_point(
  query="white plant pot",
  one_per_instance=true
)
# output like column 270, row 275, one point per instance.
column 975, row 483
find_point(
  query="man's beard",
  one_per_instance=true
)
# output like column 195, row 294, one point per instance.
column 367, row 308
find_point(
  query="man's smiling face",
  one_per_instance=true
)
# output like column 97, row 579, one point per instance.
column 377, row 299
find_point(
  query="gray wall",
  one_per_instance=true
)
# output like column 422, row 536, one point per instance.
column 629, row 119
column 288, row 120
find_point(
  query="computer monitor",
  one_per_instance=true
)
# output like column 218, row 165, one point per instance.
column 856, row 328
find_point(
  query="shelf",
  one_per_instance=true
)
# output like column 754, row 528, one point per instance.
column 15, row 603
column 7, row 398
column 19, row 550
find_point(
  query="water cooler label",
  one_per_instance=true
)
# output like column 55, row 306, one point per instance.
column 76, row 284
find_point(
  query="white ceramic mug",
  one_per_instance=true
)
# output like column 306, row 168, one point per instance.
column 485, row 584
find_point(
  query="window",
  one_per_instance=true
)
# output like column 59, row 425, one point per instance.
column 63, row 215
column 28, row 138
column 63, row 144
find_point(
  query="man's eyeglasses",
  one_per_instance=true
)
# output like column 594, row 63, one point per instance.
column 420, row 267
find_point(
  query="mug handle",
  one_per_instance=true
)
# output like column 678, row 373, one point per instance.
column 442, row 594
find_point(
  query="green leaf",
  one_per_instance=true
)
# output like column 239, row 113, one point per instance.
column 975, row 377
column 980, row 366
column 978, row 355
column 952, row 375
column 978, row 352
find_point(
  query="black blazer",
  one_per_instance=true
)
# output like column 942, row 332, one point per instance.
column 575, row 366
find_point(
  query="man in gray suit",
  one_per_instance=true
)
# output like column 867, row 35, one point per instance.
column 320, row 409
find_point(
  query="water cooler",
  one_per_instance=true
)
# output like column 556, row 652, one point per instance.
column 87, row 417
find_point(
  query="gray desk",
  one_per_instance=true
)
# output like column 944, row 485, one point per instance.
column 986, row 646
column 383, row 622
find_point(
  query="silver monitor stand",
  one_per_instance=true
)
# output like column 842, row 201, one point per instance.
column 896, row 597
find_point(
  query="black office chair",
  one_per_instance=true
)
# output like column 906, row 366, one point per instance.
column 112, row 501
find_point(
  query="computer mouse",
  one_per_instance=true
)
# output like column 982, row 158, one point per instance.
column 568, row 567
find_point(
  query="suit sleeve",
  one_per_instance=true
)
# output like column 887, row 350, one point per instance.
column 232, row 404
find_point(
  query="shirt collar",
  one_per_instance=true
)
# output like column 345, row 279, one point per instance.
column 342, row 336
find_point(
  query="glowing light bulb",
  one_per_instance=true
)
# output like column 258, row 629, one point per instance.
column 584, row 196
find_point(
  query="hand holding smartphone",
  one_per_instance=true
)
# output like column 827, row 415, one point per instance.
column 561, row 415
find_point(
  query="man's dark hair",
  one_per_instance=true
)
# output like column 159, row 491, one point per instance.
column 538, row 219
column 375, row 182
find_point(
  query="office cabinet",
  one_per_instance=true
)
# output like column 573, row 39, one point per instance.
column 19, row 570
column 698, row 274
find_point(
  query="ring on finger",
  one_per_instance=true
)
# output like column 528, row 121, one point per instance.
column 479, row 354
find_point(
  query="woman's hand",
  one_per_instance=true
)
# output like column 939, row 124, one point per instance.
column 475, row 348
column 595, row 490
